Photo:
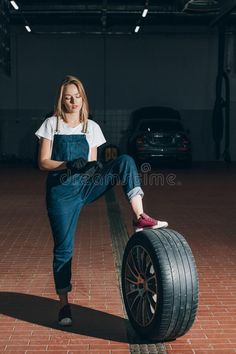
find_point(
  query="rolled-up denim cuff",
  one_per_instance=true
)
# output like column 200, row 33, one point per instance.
column 64, row 290
column 135, row 191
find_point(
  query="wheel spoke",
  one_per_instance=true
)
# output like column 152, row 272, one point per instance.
column 151, row 301
column 134, row 301
column 143, row 255
column 139, row 259
column 132, row 271
column 139, row 310
column 152, row 277
column 132, row 281
column 151, row 291
column 132, row 292
column 143, row 311
column 148, row 265
column 148, row 310
column 152, row 285
column 134, row 263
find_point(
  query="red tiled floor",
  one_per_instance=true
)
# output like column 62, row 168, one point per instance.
column 202, row 206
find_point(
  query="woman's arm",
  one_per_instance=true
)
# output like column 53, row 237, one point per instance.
column 45, row 152
column 94, row 153
column 44, row 158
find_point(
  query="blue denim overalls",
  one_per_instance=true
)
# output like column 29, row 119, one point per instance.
column 67, row 193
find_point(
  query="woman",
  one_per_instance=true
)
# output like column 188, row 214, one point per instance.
column 68, row 151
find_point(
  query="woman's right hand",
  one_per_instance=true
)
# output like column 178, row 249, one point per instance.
column 88, row 168
column 76, row 165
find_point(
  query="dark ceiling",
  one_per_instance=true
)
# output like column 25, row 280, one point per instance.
column 112, row 16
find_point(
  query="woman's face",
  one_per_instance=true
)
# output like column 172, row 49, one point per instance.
column 71, row 99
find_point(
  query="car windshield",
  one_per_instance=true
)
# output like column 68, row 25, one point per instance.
column 160, row 125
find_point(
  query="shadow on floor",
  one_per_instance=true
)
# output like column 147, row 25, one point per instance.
column 86, row 321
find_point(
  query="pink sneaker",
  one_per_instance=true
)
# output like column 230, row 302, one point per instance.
column 146, row 222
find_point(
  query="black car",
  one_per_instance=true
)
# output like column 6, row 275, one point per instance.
column 160, row 138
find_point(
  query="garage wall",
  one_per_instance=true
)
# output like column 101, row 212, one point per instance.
column 120, row 74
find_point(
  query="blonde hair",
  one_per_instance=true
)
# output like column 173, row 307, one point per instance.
column 59, row 110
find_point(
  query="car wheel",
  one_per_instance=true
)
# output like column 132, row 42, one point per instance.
column 159, row 284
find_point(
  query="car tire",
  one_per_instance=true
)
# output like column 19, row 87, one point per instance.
column 159, row 284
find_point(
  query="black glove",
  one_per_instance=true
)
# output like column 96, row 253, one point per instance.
column 88, row 168
column 76, row 165
column 91, row 168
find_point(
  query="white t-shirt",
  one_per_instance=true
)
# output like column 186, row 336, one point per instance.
column 94, row 133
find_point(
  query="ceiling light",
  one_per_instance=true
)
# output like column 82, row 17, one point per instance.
column 28, row 28
column 137, row 29
column 14, row 4
column 145, row 11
